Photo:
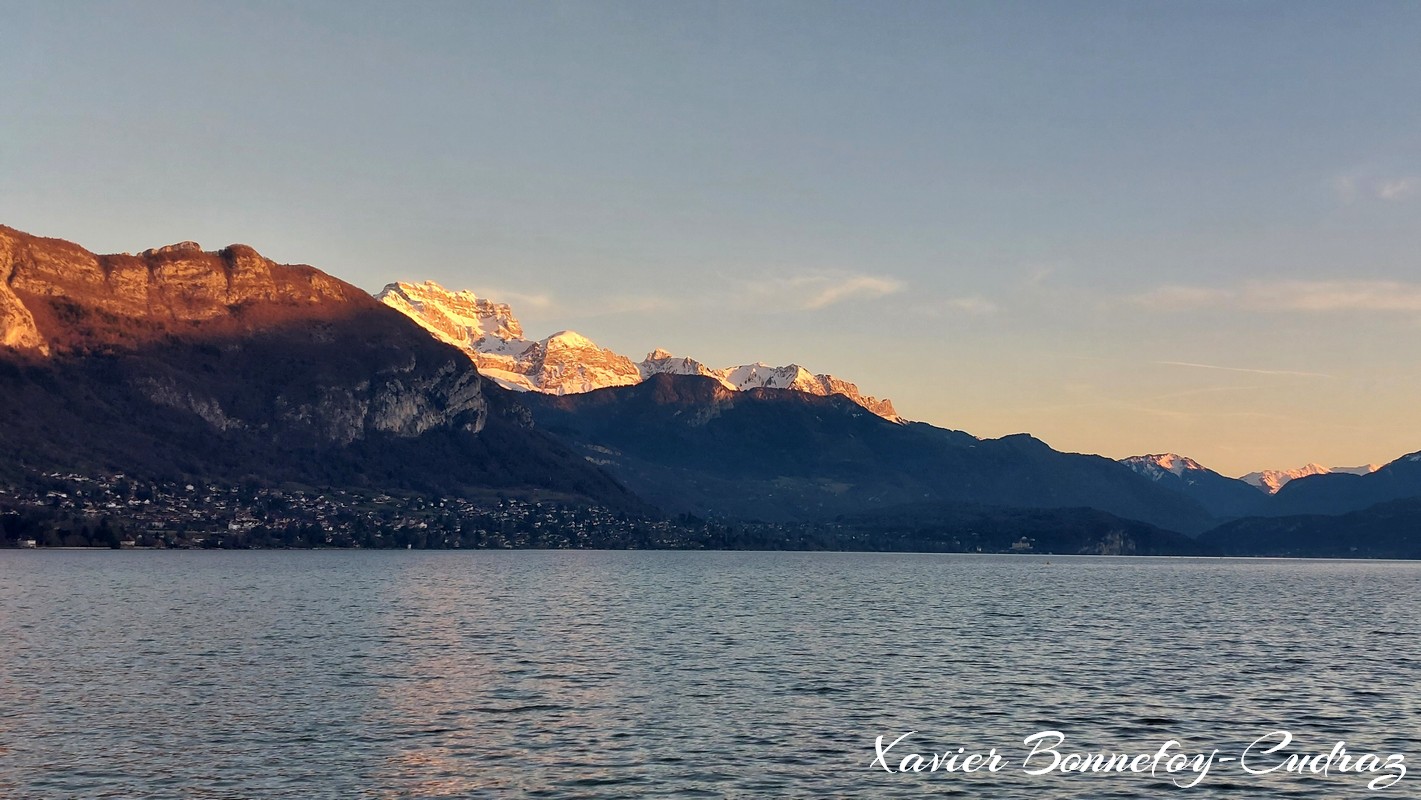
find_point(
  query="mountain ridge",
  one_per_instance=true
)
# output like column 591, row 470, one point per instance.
column 1313, row 490
column 1273, row 480
column 568, row 363
column 691, row 445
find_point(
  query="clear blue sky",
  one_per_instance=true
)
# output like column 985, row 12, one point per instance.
column 1124, row 227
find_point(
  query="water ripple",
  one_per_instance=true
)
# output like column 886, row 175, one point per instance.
column 607, row 675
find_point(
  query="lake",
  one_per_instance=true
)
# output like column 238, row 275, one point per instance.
column 356, row 674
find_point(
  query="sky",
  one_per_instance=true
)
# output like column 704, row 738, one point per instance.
column 1126, row 227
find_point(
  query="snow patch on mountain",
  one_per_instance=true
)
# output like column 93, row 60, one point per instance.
column 1156, row 466
column 761, row 375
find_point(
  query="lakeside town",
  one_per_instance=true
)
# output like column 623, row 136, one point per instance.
column 117, row 511
column 73, row 510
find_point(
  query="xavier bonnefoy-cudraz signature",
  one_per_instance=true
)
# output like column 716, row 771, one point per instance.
column 1046, row 752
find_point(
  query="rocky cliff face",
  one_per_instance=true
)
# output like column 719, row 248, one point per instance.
column 459, row 318
column 61, row 301
column 18, row 330
column 569, row 363
column 59, row 297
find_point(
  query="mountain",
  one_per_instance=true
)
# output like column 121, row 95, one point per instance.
column 1222, row 496
column 183, row 363
column 1385, row 530
column 690, row 444
column 569, row 363
column 1311, row 490
column 1271, row 480
column 763, row 376
column 1156, row 467
column 1341, row 492
column 488, row 333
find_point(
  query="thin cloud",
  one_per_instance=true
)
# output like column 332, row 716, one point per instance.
column 974, row 305
column 1373, row 184
column 1398, row 189
column 1201, row 390
column 544, row 305
column 1249, row 370
column 1334, row 296
column 1174, row 297
column 971, row 305
column 629, row 304
column 1304, row 296
column 816, row 292
column 849, row 288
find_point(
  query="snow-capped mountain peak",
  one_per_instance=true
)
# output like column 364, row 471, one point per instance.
column 762, row 375
column 1156, row 466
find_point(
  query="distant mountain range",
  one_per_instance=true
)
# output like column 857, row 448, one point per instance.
column 568, row 363
column 1311, row 490
column 179, row 363
column 688, row 444
column 1271, row 480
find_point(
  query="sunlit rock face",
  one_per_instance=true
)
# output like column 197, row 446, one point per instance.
column 799, row 379
column 569, row 363
column 60, row 301
column 564, row 363
column 59, row 297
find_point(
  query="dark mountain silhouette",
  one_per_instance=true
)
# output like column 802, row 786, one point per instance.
column 1339, row 493
column 1221, row 496
column 1386, row 530
column 688, row 444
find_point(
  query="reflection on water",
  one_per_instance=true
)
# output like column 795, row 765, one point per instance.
column 494, row 674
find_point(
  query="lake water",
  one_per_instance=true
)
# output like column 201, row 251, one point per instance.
column 350, row 674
